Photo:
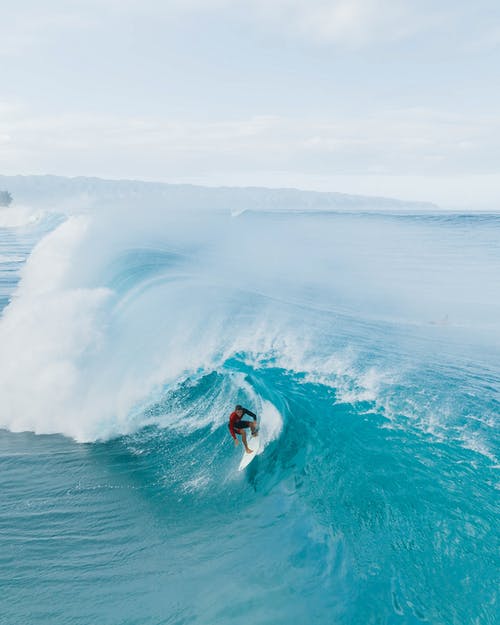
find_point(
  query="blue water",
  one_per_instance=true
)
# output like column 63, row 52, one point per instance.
column 369, row 344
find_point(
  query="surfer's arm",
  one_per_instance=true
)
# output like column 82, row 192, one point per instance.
column 250, row 414
column 231, row 430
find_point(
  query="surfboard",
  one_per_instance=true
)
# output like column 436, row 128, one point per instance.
column 253, row 443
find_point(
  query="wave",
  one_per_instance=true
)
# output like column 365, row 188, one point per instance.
column 365, row 346
column 117, row 308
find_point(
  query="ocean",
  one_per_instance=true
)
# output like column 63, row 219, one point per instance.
column 368, row 344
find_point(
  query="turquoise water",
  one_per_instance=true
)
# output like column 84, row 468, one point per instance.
column 369, row 345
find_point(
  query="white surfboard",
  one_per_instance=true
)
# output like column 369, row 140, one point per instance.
column 253, row 443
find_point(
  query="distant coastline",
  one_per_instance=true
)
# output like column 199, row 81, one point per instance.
column 47, row 190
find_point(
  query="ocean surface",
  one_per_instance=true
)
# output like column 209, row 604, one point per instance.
column 367, row 343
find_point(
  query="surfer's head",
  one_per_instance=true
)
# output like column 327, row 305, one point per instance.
column 238, row 410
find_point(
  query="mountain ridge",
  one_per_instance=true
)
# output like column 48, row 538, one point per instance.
column 47, row 189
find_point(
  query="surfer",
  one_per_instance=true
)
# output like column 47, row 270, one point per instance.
column 237, row 426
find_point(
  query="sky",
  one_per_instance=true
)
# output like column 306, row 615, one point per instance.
column 397, row 98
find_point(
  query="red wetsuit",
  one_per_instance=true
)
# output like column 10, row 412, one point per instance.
column 234, row 419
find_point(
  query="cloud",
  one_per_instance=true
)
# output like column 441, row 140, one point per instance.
column 394, row 142
column 488, row 39
column 351, row 23
column 27, row 24
column 347, row 22
column 344, row 22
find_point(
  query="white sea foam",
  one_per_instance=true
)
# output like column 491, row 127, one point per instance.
column 17, row 216
column 271, row 424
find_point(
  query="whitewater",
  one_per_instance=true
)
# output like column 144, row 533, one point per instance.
column 367, row 341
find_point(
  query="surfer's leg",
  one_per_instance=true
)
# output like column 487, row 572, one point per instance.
column 244, row 440
column 247, row 424
column 252, row 425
